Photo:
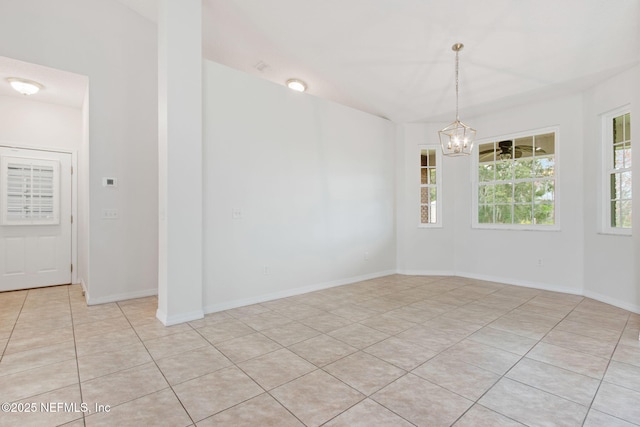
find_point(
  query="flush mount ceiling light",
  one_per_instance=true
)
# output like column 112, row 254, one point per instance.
column 24, row 86
column 297, row 85
column 457, row 138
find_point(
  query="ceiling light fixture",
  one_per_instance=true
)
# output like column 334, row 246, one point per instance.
column 24, row 86
column 457, row 138
column 297, row 85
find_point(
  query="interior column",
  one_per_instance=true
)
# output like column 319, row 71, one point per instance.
column 180, row 160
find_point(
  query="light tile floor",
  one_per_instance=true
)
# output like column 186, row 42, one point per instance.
column 393, row 351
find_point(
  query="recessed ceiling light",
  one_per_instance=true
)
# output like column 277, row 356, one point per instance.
column 24, row 86
column 297, row 85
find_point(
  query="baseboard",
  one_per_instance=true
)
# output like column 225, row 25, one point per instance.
column 613, row 301
column 180, row 318
column 426, row 272
column 535, row 285
column 120, row 297
column 213, row 308
column 85, row 291
column 523, row 283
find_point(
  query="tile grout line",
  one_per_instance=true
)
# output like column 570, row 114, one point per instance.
column 588, row 408
column 68, row 301
column 6, row 346
column 324, row 304
column 317, row 368
column 75, row 350
column 604, row 373
column 395, row 336
column 476, row 402
column 169, row 386
column 265, row 391
column 356, row 322
column 362, row 350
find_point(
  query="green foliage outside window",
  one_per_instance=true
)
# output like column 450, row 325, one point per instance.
column 516, row 181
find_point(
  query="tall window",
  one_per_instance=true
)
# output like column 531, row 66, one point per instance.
column 617, row 143
column 516, row 181
column 430, row 188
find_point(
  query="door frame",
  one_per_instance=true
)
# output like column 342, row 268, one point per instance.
column 74, row 195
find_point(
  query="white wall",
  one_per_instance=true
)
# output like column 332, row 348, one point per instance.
column 577, row 258
column 609, row 259
column 314, row 182
column 500, row 255
column 423, row 250
column 37, row 124
column 121, row 62
column 512, row 256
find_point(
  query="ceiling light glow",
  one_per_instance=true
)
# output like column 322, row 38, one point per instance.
column 24, row 86
column 297, row 85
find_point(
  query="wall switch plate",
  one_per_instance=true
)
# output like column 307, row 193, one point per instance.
column 236, row 213
column 110, row 214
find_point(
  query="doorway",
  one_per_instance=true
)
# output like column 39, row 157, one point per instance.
column 35, row 218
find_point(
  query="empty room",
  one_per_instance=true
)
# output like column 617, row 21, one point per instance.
column 319, row 213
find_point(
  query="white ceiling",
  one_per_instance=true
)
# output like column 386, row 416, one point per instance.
column 60, row 87
column 393, row 58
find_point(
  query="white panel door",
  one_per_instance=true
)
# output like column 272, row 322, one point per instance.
column 35, row 218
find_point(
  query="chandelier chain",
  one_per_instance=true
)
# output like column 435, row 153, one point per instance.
column 457, row 84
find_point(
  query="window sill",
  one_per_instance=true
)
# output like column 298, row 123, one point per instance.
column 512, row 228
column 616, row 233
column 429, row 225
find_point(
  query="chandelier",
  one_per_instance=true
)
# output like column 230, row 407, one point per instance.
column 457, row 138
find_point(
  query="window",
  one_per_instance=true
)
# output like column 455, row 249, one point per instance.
column 516, row 181
column 430, row 188
column 617, row 172
column 30, row 191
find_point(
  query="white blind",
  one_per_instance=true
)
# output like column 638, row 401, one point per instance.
column 30, row 191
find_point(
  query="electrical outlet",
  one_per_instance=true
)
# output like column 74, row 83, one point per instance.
column 540, row 262
column 236, row 213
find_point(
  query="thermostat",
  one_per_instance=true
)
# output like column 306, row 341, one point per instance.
column 109, row 182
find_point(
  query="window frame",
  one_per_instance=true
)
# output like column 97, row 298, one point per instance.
column 606, row 171
column 438, row 185
column 475, row 224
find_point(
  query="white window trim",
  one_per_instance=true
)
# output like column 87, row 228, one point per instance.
column 556, row 194
column 607, row 160
column 439, row 202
